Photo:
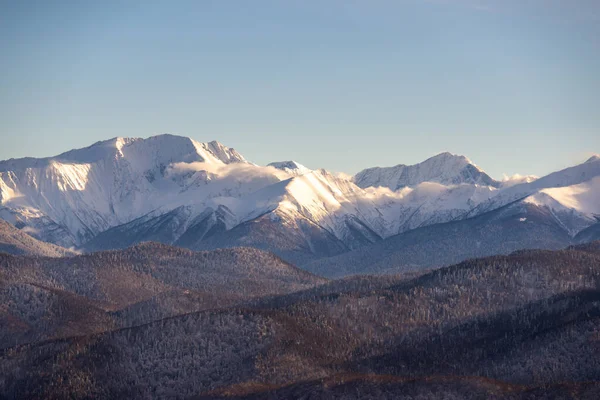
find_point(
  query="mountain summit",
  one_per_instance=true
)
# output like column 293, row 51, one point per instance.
column 444, row 168
column 593, row 158
column 291, row 167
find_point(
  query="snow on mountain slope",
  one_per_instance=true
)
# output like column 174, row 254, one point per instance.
column 444, row 168
column 312, row 213
column 448, row 187
column 86, row 191
column 427, row 203
column 572, row 194
column 351, row 216
column 576, row 207
column 334, row 204
column 583, row 197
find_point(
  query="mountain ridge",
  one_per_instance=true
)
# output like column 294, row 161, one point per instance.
column 173, row 189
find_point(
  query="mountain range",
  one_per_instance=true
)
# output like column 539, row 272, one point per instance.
column 203, row 196
column 168, row 268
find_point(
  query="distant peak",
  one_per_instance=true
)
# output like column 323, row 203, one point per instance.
column 291, row 167
column 225, row 154
column 167, row 136
column 445, row 168
column 122, row 141
column 446, row 155
column 216, row 143
column 142, row 153
column 184, row 148
column 595, row 157
column 286, row 164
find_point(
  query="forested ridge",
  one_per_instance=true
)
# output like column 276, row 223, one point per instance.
column 524, row 325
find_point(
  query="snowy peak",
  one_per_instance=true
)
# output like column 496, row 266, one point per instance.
column 144, row 153
column 594, row 158
column 225, row 154
column 290, row 167
column 444, row 168
column 111, row 182
column 166, row 149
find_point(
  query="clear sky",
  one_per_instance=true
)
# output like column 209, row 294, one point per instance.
column 343, row 85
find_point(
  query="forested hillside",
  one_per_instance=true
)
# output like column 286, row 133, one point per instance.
column 498, row 327
column 48, row 298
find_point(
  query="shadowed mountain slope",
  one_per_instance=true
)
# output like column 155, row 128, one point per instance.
column 510, row 228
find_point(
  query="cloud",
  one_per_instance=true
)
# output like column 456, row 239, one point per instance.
column 241, row 172
column 30, row 230
column 382, row 192
column 516, row 179
column 342, row 175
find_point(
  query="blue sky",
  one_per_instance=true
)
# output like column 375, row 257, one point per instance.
column 343, row 85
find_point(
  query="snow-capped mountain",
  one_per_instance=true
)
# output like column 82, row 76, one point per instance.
column 179, row 191
column 551, row 212
column 572, row 195
column 74, row 196
column 444, row 168
column 187, row 186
